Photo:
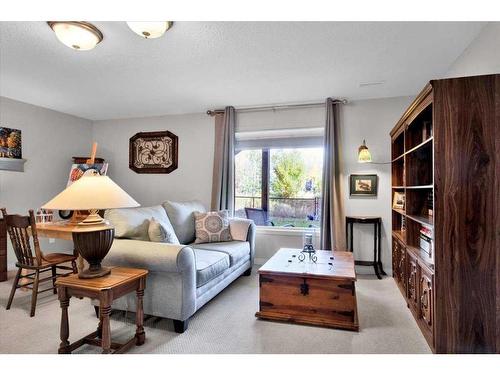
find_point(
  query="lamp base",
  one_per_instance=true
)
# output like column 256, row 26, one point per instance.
column 92, row 219
column 93, row 247
column 93, row 273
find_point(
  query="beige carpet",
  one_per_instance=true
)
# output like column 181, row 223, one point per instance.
column 225, row 325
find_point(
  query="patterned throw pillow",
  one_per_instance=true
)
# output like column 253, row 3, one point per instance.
column 212, row 226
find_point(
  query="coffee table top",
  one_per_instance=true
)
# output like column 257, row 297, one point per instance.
column 118, row 276
column 285, row 262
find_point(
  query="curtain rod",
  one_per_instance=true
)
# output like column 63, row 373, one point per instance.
column 213, row 112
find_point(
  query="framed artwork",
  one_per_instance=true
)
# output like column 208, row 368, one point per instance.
column 398, row 200
column 363, row 185
column 153, row 152
column 10, row 143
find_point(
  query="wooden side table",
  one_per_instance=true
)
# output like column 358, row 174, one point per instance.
column 106, row 289
column 377, row 227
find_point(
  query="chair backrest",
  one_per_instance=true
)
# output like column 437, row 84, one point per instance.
column 19, row 228
column 258, row 215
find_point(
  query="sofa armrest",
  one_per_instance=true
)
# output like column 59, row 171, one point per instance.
column 252, row 229
column 153, row 256
column 244, row 230
column 171, row 286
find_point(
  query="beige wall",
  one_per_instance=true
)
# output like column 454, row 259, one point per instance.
column 193, row 177
column 482, row 56
column 49, row 141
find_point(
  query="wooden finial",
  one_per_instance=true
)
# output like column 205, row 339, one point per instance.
column 92, row 155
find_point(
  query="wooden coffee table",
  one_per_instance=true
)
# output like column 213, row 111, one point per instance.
column 106, row 289
column 321, row 293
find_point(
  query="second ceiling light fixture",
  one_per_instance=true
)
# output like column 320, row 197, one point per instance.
column 83, row 36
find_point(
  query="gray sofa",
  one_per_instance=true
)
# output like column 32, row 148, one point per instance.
column 182, row 277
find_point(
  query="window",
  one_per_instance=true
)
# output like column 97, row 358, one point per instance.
column 282, row 183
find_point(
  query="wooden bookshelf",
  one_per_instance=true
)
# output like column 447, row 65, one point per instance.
column 444, row 159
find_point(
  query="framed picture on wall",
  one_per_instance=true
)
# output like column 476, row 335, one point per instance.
column 363, row 185
column 153, row 152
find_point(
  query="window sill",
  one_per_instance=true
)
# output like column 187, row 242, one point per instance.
column 284, row 231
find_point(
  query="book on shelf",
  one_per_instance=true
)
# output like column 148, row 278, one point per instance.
column 430, row 203
column 425, row 240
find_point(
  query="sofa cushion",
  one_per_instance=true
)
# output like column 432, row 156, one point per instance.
column 236, row 250
column 209, row 264
column 181, row 215
column 133, row 223
column 212, row 226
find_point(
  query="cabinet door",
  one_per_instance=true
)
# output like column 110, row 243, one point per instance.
column 395, row 257
column 411, row 282
column 402, row 269
column 426, row 289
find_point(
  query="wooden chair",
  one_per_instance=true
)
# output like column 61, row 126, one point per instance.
column 259, row 216
column 20, row 229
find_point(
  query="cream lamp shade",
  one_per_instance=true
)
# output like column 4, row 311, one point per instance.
column 364, row 155
column 91, row 193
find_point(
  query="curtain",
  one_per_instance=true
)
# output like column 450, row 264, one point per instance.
column 332, row 210
column 223, row 174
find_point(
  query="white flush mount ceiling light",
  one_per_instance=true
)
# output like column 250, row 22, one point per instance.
column 150, row 30
column 80, row 36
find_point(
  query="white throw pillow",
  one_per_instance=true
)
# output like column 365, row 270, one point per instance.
column 158, row 233
column 239, row 228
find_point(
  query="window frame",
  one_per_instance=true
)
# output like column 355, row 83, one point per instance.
column 265, row 186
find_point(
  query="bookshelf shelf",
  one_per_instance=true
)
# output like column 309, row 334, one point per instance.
column 425, row 220
column 399, row 211
column 420, row 187
column 427, row 142
column 398, row 158
column 400, row 235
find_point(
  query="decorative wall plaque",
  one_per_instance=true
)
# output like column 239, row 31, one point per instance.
column 153, row 152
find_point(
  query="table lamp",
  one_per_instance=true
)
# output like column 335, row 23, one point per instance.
column 93, row 236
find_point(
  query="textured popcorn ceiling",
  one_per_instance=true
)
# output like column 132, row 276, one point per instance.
column 201, row 65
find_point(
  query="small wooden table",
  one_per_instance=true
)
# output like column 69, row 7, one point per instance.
column 106, row 289
column 377, row 237
column 321, row 293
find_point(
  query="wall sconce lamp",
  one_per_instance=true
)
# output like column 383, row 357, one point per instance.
column 364, row 155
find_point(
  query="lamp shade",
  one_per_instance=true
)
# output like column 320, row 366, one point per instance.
column 364, row 155
column 91, row 193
